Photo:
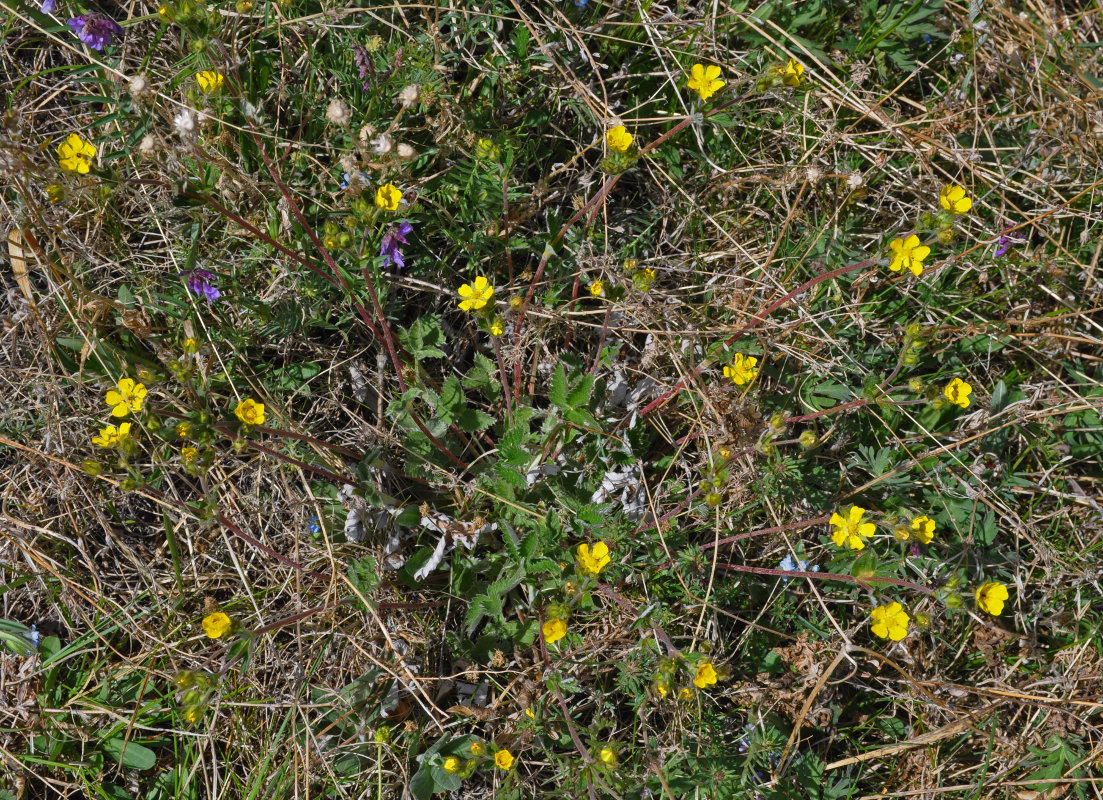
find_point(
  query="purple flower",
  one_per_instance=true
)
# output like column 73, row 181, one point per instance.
column 1007, row 241
column 389, row 248
column 48, row 6
column 95, row 29
column 364, row 64
column 199, row 282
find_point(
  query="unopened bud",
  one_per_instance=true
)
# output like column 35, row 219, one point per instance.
column 409, row 95
column 337, row 113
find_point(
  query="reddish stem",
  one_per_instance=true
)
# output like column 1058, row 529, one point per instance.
column 827, row 576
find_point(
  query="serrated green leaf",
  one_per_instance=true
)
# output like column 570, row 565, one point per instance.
column 452, row 397
column 557, row 390
column 424, row 338
column 579, row 396
column 471, row 420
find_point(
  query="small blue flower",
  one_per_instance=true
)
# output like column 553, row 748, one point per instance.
column 33, row 636
column 347, row 179
column 313, row 525
column 789, row 565
column 49, row 6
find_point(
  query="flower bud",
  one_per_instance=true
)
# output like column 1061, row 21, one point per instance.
column 382, row 144
column 337, row 113
column 138, row 86
column 409, row 95
column 807, row 440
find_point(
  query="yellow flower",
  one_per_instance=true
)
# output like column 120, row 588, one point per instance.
column 209, row 80
column 183, row 429
column 215, row 625
column 477, row 748
column 529, row 713
column 742, row 370
column 662, row 688
column 618, row 139
column 188, row 455
column 597, row 289
column 75, row 154
column 792, row 74
column 644, row 279
column 685, row 693
column 388, row 196
column 452, row 764
column 607, row 756
column 890, row 622
column 504, row 759
column 922, row 528
column 850, row 530
column 908, row 253
column 991, row 596
column 954, row 199
column 111, row 436
column 593, row 559
column 475, row 295
column 250, row 412
column 554, row 630
column 129, row 397
column 706, row 675
column 957, row 392
column 497, row 327
column 705, row 80
column 193, row 713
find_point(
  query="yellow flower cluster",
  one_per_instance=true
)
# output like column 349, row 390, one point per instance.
column 742, row 370
column 957, row 392
column 209, row 80
column 618, row 139
column 75, row 154
column 594, row 559
column 704, row 80
column 991, row 596
column 111, row 436
column 890, row 622
column 216, row 625
column 850, row 530
column 475, row 295
column 250, row 412
column 128, row 397
column 388, row 196
column 554, row 629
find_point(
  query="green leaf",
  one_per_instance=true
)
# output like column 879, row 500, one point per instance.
column 579, row 396
column 471, row 420
column 451, row 395
column 424, row 338
column 364, row 575
column 557, row 391
column 130, row 755
column 483, row 377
